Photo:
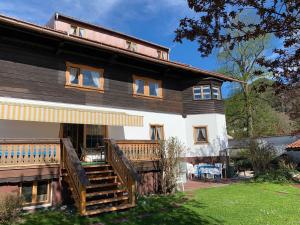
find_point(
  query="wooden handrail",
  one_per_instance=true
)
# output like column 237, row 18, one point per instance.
column 123, row 168
column 27, row 152
column 30, row 141
column 140, row 149
column 77, row 176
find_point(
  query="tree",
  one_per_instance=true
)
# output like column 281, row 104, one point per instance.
column 241, row 63
column 280, row 18
column 268, row 120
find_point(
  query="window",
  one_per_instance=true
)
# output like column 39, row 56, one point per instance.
column 140, row 86
column 161, row 54
column 81, row 32
column 200, row 135
column 216, row 93
column 84, row 77
column 94, row 135
column 202, row 92
column 131, row 46
column 78, row 31
column 73, row 30
column 36, row 192
column 146, row 87
column 153, row 88
column 156, row 132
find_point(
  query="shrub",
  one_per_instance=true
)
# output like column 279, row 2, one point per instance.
column 260, row 156
column 170, row 152
column 275, row 176
column 10, row 208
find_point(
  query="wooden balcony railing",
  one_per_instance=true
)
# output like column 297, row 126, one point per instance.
column 23, row 152
column 77, row 177
column 140, row 149
column 123, row 168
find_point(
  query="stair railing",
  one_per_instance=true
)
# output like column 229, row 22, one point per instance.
column 78, row 179
column 124, row 169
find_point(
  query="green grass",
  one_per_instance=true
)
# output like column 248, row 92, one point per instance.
column 244, row 203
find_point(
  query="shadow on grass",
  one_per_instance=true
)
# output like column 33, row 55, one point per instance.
column 168, row 210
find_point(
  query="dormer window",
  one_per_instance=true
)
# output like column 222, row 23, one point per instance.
column 131, row 46
column 78, row 31
column 161, row 55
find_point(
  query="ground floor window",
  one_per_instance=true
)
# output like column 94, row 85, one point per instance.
column 156, row 132
column 200, row 134
column 35, row 192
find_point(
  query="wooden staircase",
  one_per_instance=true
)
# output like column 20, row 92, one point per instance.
column 105, row 192
column 99, row 188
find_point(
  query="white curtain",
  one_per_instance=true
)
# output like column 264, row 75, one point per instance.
column 73, row 75
column 95, row 77
column 158, row 133
column 156, row 89
column 81, row 32
column 201, row 134
column 139, row 86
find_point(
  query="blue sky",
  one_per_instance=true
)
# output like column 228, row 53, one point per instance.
column 152, row 20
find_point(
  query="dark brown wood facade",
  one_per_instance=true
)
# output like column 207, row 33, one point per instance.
column 33, row 67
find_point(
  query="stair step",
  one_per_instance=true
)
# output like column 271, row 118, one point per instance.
column 96, row 166
column 103, row 193
column 102, row 185
column 107, row 200
column 107, row 209
column 98, row 172
column 103, row 178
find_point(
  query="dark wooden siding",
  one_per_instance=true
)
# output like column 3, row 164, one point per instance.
column 38, row 73
column 29, row 74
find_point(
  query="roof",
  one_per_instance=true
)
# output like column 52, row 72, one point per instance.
column 57, row 15
column 83, row 41
column 295, row 144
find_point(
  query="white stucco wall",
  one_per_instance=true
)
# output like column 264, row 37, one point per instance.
column 173, row 126
column 216, row 132
column 22, row 129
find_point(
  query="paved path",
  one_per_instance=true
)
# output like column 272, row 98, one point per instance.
column 192, row 185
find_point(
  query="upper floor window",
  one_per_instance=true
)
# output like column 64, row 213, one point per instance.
column 131, row 46
column 204, row 92
column 200, row 134
column 216, row 92
column 78, row 31
column 156, row 132
column 143, row 86
column 84, row 77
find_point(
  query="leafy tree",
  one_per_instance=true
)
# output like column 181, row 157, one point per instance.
column 267, row 120
column 241, row 63
column 280, row 18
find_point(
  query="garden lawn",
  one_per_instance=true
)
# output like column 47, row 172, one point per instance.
column 243, row 203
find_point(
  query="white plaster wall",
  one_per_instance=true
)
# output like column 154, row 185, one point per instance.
column 174, row 125
column 216, row 131
column 22, row 129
